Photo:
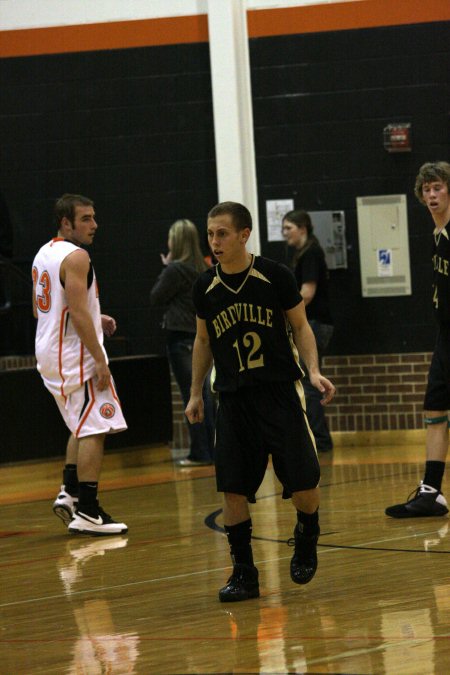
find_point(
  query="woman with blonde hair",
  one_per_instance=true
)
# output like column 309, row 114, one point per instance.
column 173, row 289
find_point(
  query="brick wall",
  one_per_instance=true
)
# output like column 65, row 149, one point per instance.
column 374, row 393
column 180, row 434
column 377, row 392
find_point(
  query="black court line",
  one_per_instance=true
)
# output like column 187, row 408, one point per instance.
column 210, row 522
column 390, row 550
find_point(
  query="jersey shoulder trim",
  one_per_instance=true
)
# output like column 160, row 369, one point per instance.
column 259, row 275
column 213, row 284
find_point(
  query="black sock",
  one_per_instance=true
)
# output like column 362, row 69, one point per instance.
column 308, row 523
column 87, row 499
column 434, row 473
column 70, row 479
column 239, row 539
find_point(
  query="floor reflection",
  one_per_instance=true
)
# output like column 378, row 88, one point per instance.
column 79, row 551
column 98, row 648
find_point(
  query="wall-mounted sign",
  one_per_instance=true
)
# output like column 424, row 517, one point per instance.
column 397, row 137
column 275, row 210
column 384, row 262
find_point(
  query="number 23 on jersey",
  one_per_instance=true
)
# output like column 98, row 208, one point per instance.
column 43, row 298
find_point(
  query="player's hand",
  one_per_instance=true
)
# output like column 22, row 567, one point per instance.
column 195, row 410
column 108, row 325
column 326, row 388
column 103, row 375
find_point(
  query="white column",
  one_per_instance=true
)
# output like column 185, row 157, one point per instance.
column 232, row 105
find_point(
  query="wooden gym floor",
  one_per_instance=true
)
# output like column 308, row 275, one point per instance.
column 146, row 602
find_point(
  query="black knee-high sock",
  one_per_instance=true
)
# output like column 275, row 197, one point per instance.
column 239, row 539
column 87, row 496
column 308, row 523
column 434, row 473
column 70, row 479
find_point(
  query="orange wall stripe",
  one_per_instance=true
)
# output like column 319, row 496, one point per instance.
column 190, row 29
column 100, row 36
column 345, row 16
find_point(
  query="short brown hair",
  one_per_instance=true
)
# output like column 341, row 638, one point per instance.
column 239, row 213
column 65, row 207
column 429, row 172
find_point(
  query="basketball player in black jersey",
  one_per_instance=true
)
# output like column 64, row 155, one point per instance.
column 432, row 189
column 251, row 320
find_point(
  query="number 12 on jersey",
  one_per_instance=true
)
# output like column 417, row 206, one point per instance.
column 249, row 352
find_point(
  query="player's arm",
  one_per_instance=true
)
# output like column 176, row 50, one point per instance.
column 201, row 363
column 74, row 273
column 306, row 345
column 308, row 291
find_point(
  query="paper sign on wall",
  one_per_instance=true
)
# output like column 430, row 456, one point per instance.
column 384, row 260
column 275, row 210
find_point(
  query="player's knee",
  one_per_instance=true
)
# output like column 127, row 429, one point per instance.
column 234, row 500
column 306, row 500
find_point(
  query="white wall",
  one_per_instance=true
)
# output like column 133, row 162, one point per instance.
column 16, row 14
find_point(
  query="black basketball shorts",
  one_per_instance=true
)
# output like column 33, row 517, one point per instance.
column 255, row 422
column 437, row 395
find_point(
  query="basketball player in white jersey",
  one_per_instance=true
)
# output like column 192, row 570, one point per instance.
column 73, row 362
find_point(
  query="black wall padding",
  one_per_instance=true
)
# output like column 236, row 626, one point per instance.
column 32, row 427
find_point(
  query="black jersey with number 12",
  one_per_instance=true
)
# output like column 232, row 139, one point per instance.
column 249, row 334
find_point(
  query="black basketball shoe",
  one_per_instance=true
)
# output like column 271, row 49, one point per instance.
column 304, row 560
column 242, row 585
column 427, row 502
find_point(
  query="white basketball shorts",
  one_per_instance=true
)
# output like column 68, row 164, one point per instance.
column 88, row 411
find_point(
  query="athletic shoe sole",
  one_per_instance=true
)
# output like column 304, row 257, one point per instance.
column 417, row 514
column 98, row 532
column 63, row 512
column 79, row 525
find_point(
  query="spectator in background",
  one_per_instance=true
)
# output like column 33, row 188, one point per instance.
column 311, row 272
column 173, row 289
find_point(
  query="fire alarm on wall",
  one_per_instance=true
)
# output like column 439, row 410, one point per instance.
column 397, row 137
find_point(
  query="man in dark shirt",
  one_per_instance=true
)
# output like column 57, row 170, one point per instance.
column 251, row 320
column 432, row 189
